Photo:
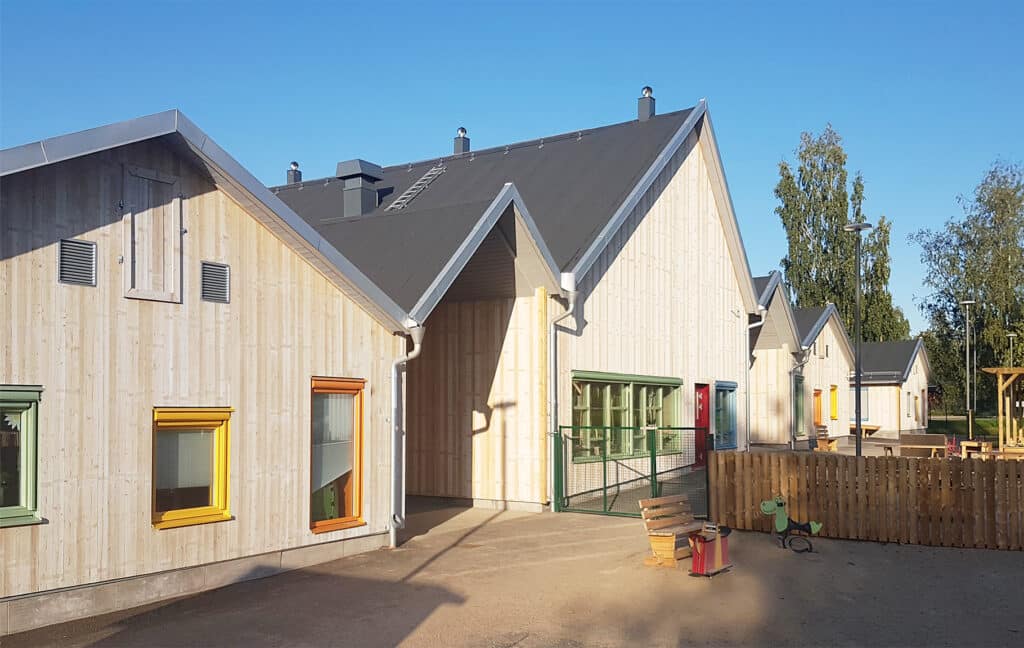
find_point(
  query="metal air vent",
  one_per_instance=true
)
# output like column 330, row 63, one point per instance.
column 76, row 262
column 216, row 282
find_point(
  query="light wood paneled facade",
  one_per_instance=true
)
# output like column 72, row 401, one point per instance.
column 772, row 407
column 899, row 408
column 829, row 366
column 475, row 402
column 105, row 361
column 662, row 300
column 664, row 297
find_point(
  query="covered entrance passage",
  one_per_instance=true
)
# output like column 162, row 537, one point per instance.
column 475, row 398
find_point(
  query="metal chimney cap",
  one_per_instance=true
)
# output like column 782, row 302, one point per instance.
column 647, row 91
column 461, row 132
column 294, row 165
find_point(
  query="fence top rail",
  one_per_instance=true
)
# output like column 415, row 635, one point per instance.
column 639, row 428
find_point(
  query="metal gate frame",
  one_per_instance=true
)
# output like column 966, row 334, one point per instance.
column 563, row 457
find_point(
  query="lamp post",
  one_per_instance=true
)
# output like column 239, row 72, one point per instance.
column 1011, row 336
column 967, row 365
column 857, row 228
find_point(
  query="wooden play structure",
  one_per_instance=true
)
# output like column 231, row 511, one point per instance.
column 1010, row 394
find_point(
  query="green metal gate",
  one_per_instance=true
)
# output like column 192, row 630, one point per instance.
column 607, row 470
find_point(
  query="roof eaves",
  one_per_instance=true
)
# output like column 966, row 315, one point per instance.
column 508, row 195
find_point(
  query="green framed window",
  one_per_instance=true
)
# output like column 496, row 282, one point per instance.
column 19, row 413
column 612, row 412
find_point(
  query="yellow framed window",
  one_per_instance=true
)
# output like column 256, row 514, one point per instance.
column 336, row 454
column 833, row 402
column 191, row 449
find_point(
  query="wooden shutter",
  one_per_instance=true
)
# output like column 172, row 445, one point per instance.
column 153, row 235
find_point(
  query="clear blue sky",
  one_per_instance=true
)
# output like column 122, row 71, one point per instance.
column 926, row 95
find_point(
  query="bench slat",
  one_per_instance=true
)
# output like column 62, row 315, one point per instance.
column 679, row 529
column 651, row 525
column 661, row 511
column 659, row 501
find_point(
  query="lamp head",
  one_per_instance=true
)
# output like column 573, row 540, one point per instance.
column 857, row 227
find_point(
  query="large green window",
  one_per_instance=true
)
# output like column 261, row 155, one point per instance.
column 19, row 408
column 612, row 412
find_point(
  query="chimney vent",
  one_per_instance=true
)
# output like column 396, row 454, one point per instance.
column 461, row 141
column 360, row 192
column 294, row 175
column 645, row 104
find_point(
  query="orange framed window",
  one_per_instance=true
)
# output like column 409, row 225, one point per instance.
column 191, row 450
column 833, row 402
column 336, row 454
column 817, row 407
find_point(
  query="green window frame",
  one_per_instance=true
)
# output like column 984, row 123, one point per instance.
column 19, row 409
column 606, row 403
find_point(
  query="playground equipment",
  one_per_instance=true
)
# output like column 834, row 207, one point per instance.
column 785, row 524
column 1010, row 394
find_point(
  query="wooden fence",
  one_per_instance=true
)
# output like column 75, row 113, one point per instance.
column 939, row 502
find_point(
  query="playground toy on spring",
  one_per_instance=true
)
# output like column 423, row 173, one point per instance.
column 785, row 524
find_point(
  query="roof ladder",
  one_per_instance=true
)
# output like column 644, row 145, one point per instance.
column 416, row 188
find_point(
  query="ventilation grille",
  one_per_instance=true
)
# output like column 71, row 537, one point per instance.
column 76, row 262
column 216, row 282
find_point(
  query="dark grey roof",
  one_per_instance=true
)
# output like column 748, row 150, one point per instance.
column 760, row 283
column 572, row 183
column 887, row 361
column 807, row 320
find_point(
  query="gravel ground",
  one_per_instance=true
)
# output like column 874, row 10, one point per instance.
column 472, row 577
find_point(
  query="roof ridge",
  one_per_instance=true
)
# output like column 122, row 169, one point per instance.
column 501, row 148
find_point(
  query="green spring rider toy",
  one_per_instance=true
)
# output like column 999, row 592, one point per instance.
column 785, row 524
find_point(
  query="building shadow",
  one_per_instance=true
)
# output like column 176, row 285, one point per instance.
column 304, row 607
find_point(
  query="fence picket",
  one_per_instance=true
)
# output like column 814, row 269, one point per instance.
column 1013, row 505
column 990, row 504
column 1001, row 491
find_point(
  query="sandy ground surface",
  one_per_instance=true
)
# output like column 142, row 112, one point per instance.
column 472, row 577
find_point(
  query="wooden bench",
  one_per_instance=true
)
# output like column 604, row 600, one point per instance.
column 669, row 525
column 922, row 445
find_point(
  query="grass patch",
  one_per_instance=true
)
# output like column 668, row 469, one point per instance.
column 983, row 427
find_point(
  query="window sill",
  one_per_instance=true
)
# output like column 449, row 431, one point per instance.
column 336, row 525
column 191, row 521
column 21, row 520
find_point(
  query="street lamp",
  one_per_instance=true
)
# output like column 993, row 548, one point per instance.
column 967, row 365
column 1011, row 336
column 858, row 228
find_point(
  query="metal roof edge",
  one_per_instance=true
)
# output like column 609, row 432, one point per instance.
column 65, row 147
column 538, row 241
column 733, row 227
column 774, row 278
column 913, row 356
column 604, row 238
column 232, row 168
column 508, row 195
column 93, row 140
column 830, row 310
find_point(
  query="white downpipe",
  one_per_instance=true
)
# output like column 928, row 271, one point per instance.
column 569, row 286
column 792, row 390
column 398, row 438
column 762, row 312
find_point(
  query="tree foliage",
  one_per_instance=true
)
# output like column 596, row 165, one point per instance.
column 978, row 256
column 820, row 264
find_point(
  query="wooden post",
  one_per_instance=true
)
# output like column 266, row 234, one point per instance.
column 999, row 397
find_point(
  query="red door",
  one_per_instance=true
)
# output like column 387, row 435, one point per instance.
column 701, row 421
